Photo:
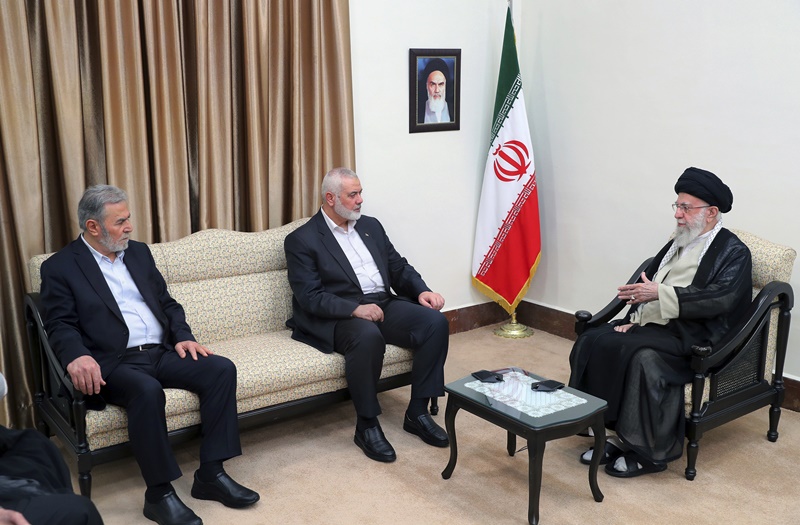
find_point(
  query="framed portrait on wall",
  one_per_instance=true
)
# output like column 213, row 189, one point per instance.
column 434, row 91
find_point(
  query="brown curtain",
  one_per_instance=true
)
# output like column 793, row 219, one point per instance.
column 210, row 113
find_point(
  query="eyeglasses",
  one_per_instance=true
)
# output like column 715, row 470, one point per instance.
column 685, row 208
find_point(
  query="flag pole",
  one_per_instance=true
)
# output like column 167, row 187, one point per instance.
column 508, row 245
column 513, row 329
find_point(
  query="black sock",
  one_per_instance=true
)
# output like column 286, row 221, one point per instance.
column 156, row 492
column 208, row 471
column 363, row 423
column 417, row 406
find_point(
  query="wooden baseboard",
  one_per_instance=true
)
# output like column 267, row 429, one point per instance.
column 557, row 323
column 792, row 399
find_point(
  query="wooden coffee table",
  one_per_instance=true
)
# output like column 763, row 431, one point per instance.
column 537, row 417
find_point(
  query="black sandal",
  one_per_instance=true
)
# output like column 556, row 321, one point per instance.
column 610, row 453
column 634, row 466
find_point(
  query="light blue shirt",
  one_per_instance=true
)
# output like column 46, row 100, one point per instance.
column 143, row 326
column 357, row 253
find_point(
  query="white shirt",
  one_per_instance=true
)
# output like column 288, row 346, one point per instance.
column 143, row 326
column 369, row 277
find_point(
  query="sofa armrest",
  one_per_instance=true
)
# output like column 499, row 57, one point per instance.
column 65, row 405
column 41, row 351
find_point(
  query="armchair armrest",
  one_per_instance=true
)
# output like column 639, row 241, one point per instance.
column 585, row 319
column 776, row 294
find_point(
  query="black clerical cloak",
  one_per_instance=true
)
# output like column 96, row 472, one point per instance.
column 645, row 395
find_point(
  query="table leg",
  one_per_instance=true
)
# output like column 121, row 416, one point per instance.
column 535, row 458
column 511, row 443
column 598, row 427
column 450, row 427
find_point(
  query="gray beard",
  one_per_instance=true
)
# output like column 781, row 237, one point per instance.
column 110, row 245
column 341, row 211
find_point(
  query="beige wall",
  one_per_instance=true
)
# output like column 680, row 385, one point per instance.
column 622, row 95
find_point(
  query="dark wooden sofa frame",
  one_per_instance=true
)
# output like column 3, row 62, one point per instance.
column 61, row 409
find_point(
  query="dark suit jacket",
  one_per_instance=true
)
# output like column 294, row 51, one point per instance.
column 323, row 282
column 81, row 316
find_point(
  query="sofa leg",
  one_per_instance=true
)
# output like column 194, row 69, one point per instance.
column 774, row 418
column 85, row 483
column 42, row 427
column 434, row 406
column 691, row 459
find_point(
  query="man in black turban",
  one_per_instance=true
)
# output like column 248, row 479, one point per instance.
column 438, row 106
column 692, row 293
column 707, row 187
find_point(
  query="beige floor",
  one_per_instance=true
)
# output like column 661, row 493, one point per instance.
column 308, row 470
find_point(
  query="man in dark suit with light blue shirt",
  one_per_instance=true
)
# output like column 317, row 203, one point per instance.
column 353, row 294
column 122, row 338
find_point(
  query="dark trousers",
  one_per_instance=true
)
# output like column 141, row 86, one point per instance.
column 35, row 481
column 363, row 344
column 138, row 384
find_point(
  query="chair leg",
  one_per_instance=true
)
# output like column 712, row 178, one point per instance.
column 691, row 459
column 434, row 406
column 774, row 418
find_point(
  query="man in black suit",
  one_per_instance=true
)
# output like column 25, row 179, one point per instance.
column 342, row 270
column 35, row 484
column 122, row 337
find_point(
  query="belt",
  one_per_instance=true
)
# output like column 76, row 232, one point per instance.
column 141, row 348
column 376, row 296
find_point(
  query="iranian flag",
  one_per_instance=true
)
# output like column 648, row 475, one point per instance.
column 508, row 243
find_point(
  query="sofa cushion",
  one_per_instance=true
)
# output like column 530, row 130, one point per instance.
column 272, row 368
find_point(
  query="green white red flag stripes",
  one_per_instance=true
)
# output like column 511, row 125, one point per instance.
column 507, row 236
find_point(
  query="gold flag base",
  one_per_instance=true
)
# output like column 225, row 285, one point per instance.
column 513, row 329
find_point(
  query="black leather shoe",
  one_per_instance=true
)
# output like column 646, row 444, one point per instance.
column 375, row 445
column 426, row 428
column 224, row 490
column 170, row 510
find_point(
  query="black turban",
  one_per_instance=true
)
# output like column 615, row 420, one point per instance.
column 435, row 64
column 706, row 186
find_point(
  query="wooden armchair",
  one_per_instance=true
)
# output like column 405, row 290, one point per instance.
column 745, row 371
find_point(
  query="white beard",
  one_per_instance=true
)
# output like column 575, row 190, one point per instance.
column 435, row 104
column 693, row 229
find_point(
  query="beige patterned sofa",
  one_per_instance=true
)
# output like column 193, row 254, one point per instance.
column 234, row 289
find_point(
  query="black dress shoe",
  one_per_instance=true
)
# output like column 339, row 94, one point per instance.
column 426, row 428
column 224, row 490
column 170, row 510
column 375, row 445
